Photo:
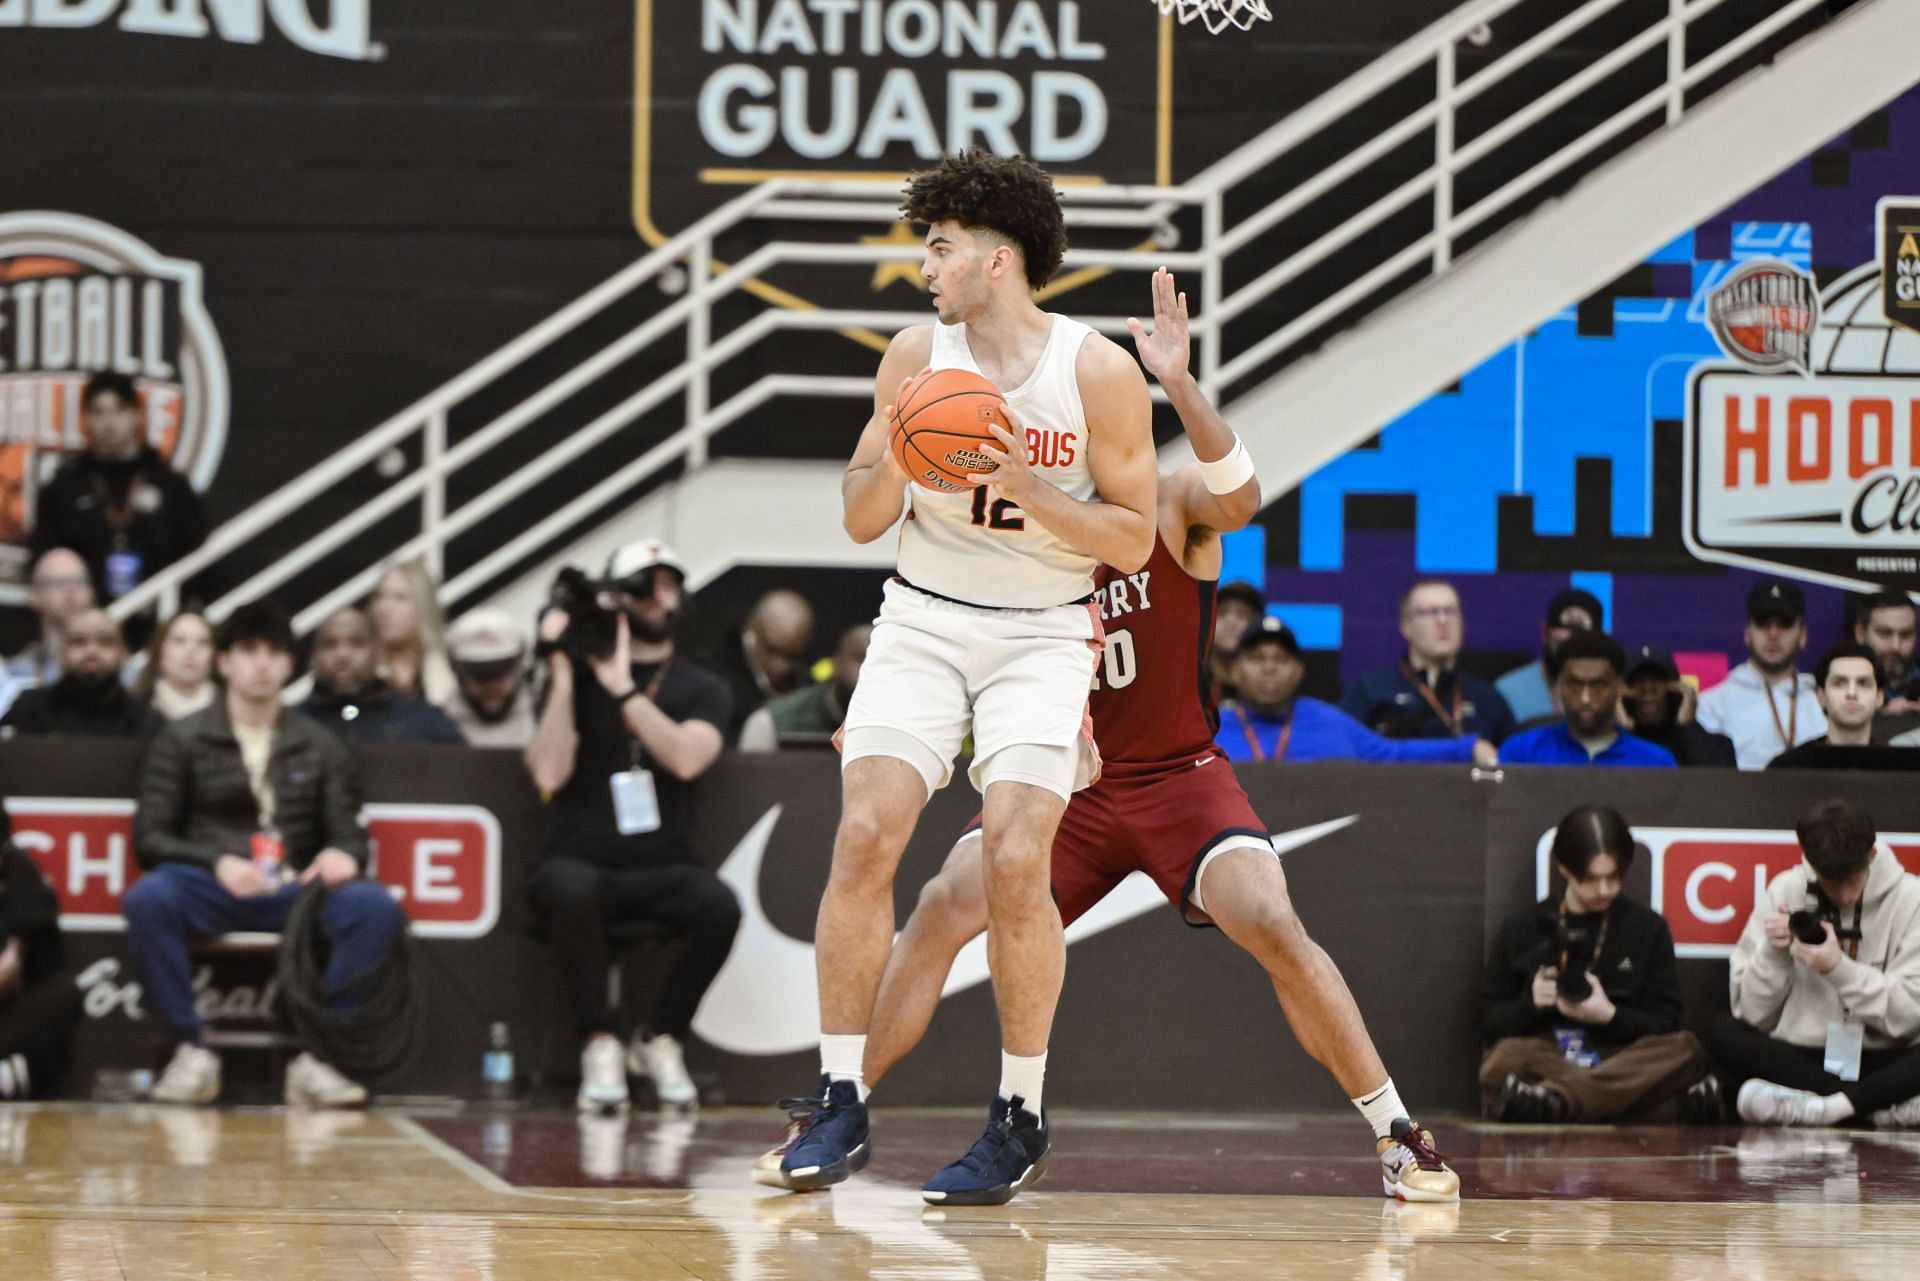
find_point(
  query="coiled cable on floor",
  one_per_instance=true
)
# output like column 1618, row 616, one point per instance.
column 368, row 1029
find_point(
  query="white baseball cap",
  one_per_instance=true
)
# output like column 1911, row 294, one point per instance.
column 629, row 559
column 485, row 635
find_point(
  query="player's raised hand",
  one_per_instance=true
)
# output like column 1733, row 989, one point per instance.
column 1166, row 351
column 1011, row 478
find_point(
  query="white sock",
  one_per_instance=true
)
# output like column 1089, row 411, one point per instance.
column 1023, row 1076
column 1381, row 1107
column 843, row 1058
column 1836, row 1108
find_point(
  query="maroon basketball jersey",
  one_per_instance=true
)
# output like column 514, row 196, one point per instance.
column 1152, row 699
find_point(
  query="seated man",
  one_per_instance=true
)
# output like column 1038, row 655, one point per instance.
column 39, row 1003
column 350, row 699
column 494, row 706
column 620, row 741
column 1583, row 996
column 1586, row 679
column 1660, row 707
column 88, row 698
column 810, row 715
column 1846, row 680
column 241, row 805
column 1425, row 695
column 1267, row 722
column 1824, row 1032
column 1529, row 690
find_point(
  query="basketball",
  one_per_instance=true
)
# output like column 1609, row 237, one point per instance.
column 939, row 424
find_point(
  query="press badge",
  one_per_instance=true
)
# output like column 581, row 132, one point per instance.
column 1843, row 1050
column 636, row 806
column 1575, row 1047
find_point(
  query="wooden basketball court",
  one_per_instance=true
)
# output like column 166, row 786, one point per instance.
column 128, row 1193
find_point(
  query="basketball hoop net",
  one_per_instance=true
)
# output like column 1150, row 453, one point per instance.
column 1218, row 14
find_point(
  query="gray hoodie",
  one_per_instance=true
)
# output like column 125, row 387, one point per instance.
column 1880, row 991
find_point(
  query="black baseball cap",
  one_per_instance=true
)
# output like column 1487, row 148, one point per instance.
column 1269, row 630
column 1577, row 598
column 1776, row 598
column 1244, row 592
column 1652, row 658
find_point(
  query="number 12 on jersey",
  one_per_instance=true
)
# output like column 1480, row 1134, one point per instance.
column 1119, row 661
column 1006, row 514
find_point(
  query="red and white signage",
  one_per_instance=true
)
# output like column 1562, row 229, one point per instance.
column 1707, row 881
column 440, row 862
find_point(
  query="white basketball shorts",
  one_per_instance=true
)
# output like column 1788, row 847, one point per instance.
column 937, row 670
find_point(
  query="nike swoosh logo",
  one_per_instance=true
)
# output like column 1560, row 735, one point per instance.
column 766, row 998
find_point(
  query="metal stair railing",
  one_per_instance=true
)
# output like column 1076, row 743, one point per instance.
column 1236, row 266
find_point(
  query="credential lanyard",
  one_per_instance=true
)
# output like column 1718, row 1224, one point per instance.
column 1789, row 731
column 653, row 688
column 1450, row 720
column 1253, row 739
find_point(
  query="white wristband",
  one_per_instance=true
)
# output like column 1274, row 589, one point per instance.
column 1224, row 475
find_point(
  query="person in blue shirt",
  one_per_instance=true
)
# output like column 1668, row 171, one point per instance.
column 1424, row 695
column 1268, row 723
column 1587, row 673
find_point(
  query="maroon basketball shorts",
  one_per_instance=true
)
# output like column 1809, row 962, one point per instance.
column 1166, row 823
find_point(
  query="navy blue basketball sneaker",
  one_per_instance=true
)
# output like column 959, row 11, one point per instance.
column 1010, row 1157
column 832, row 1141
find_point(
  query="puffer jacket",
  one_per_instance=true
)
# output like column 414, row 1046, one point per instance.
column 1880, row 991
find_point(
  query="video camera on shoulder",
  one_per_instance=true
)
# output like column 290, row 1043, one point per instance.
column 592, row 624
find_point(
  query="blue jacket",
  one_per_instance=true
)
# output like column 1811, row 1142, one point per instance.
column 1556, row 745
column 1387, row 702
column 1322, row 732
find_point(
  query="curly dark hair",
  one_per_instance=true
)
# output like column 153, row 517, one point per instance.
column 1009, row 196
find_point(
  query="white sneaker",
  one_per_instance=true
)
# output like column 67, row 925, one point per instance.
column 1901, row 1116
column 1764, row 1103
column 192, row 1076
column 660, row 1058
column 313, row 1084
column 603, row 1076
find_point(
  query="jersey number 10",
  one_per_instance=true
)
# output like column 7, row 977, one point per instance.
column 1119, row 661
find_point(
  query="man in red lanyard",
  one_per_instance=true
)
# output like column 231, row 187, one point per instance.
column 1424, row 694
column 1167, row 802
column 1268, row 722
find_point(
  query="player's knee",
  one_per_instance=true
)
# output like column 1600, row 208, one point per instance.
column 953, row 903
column 1272, row 925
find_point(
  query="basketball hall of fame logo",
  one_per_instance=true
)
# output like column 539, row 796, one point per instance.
column 80, row 297
column 1803, row 451
column 732, row 93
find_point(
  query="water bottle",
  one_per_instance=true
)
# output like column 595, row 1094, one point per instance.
column 496, row 1068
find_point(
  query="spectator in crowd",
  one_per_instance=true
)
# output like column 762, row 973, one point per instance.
column 1587, row 683
column 1659, row 707
column 177, row 679
column 357, row 705
column 1583, row 996
column 39, row 1001
column 1809, row 1017
column 120, row 505
column 767, row 657
column 1270, row 722
column 59, row 589
column 412, row 654
column 1886, row 626
column 619, row 744
column 495, row 705
column 1847, row 682
column 1529, row 690
column 89, row 699
column 1236, row 607
column 809, row 716
column 1423, row 696
column 241, row 805
column 1764, row 705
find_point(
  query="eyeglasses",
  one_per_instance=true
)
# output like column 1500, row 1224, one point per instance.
column 62, row 580
column 1435, row 612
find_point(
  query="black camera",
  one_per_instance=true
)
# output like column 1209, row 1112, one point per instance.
column 1573, row 941
column 1807, row 925
column 593, row 629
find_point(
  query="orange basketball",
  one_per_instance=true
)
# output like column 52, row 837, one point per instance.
column 940, row 422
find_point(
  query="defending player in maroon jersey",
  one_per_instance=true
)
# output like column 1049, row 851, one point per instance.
column 1167, row 802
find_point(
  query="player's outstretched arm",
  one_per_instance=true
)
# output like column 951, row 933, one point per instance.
column 1165, row 353
column 874, row 490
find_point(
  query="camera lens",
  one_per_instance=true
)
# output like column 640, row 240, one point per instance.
column 1574, row 984
column 1806, row 926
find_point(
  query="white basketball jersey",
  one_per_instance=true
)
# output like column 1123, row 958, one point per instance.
column 985, row 552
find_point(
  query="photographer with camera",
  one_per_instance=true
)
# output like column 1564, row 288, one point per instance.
column 1825, row 986
column 625, row 727
column 1583, row 997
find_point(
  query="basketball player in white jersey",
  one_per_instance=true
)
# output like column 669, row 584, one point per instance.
column 988, row 629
